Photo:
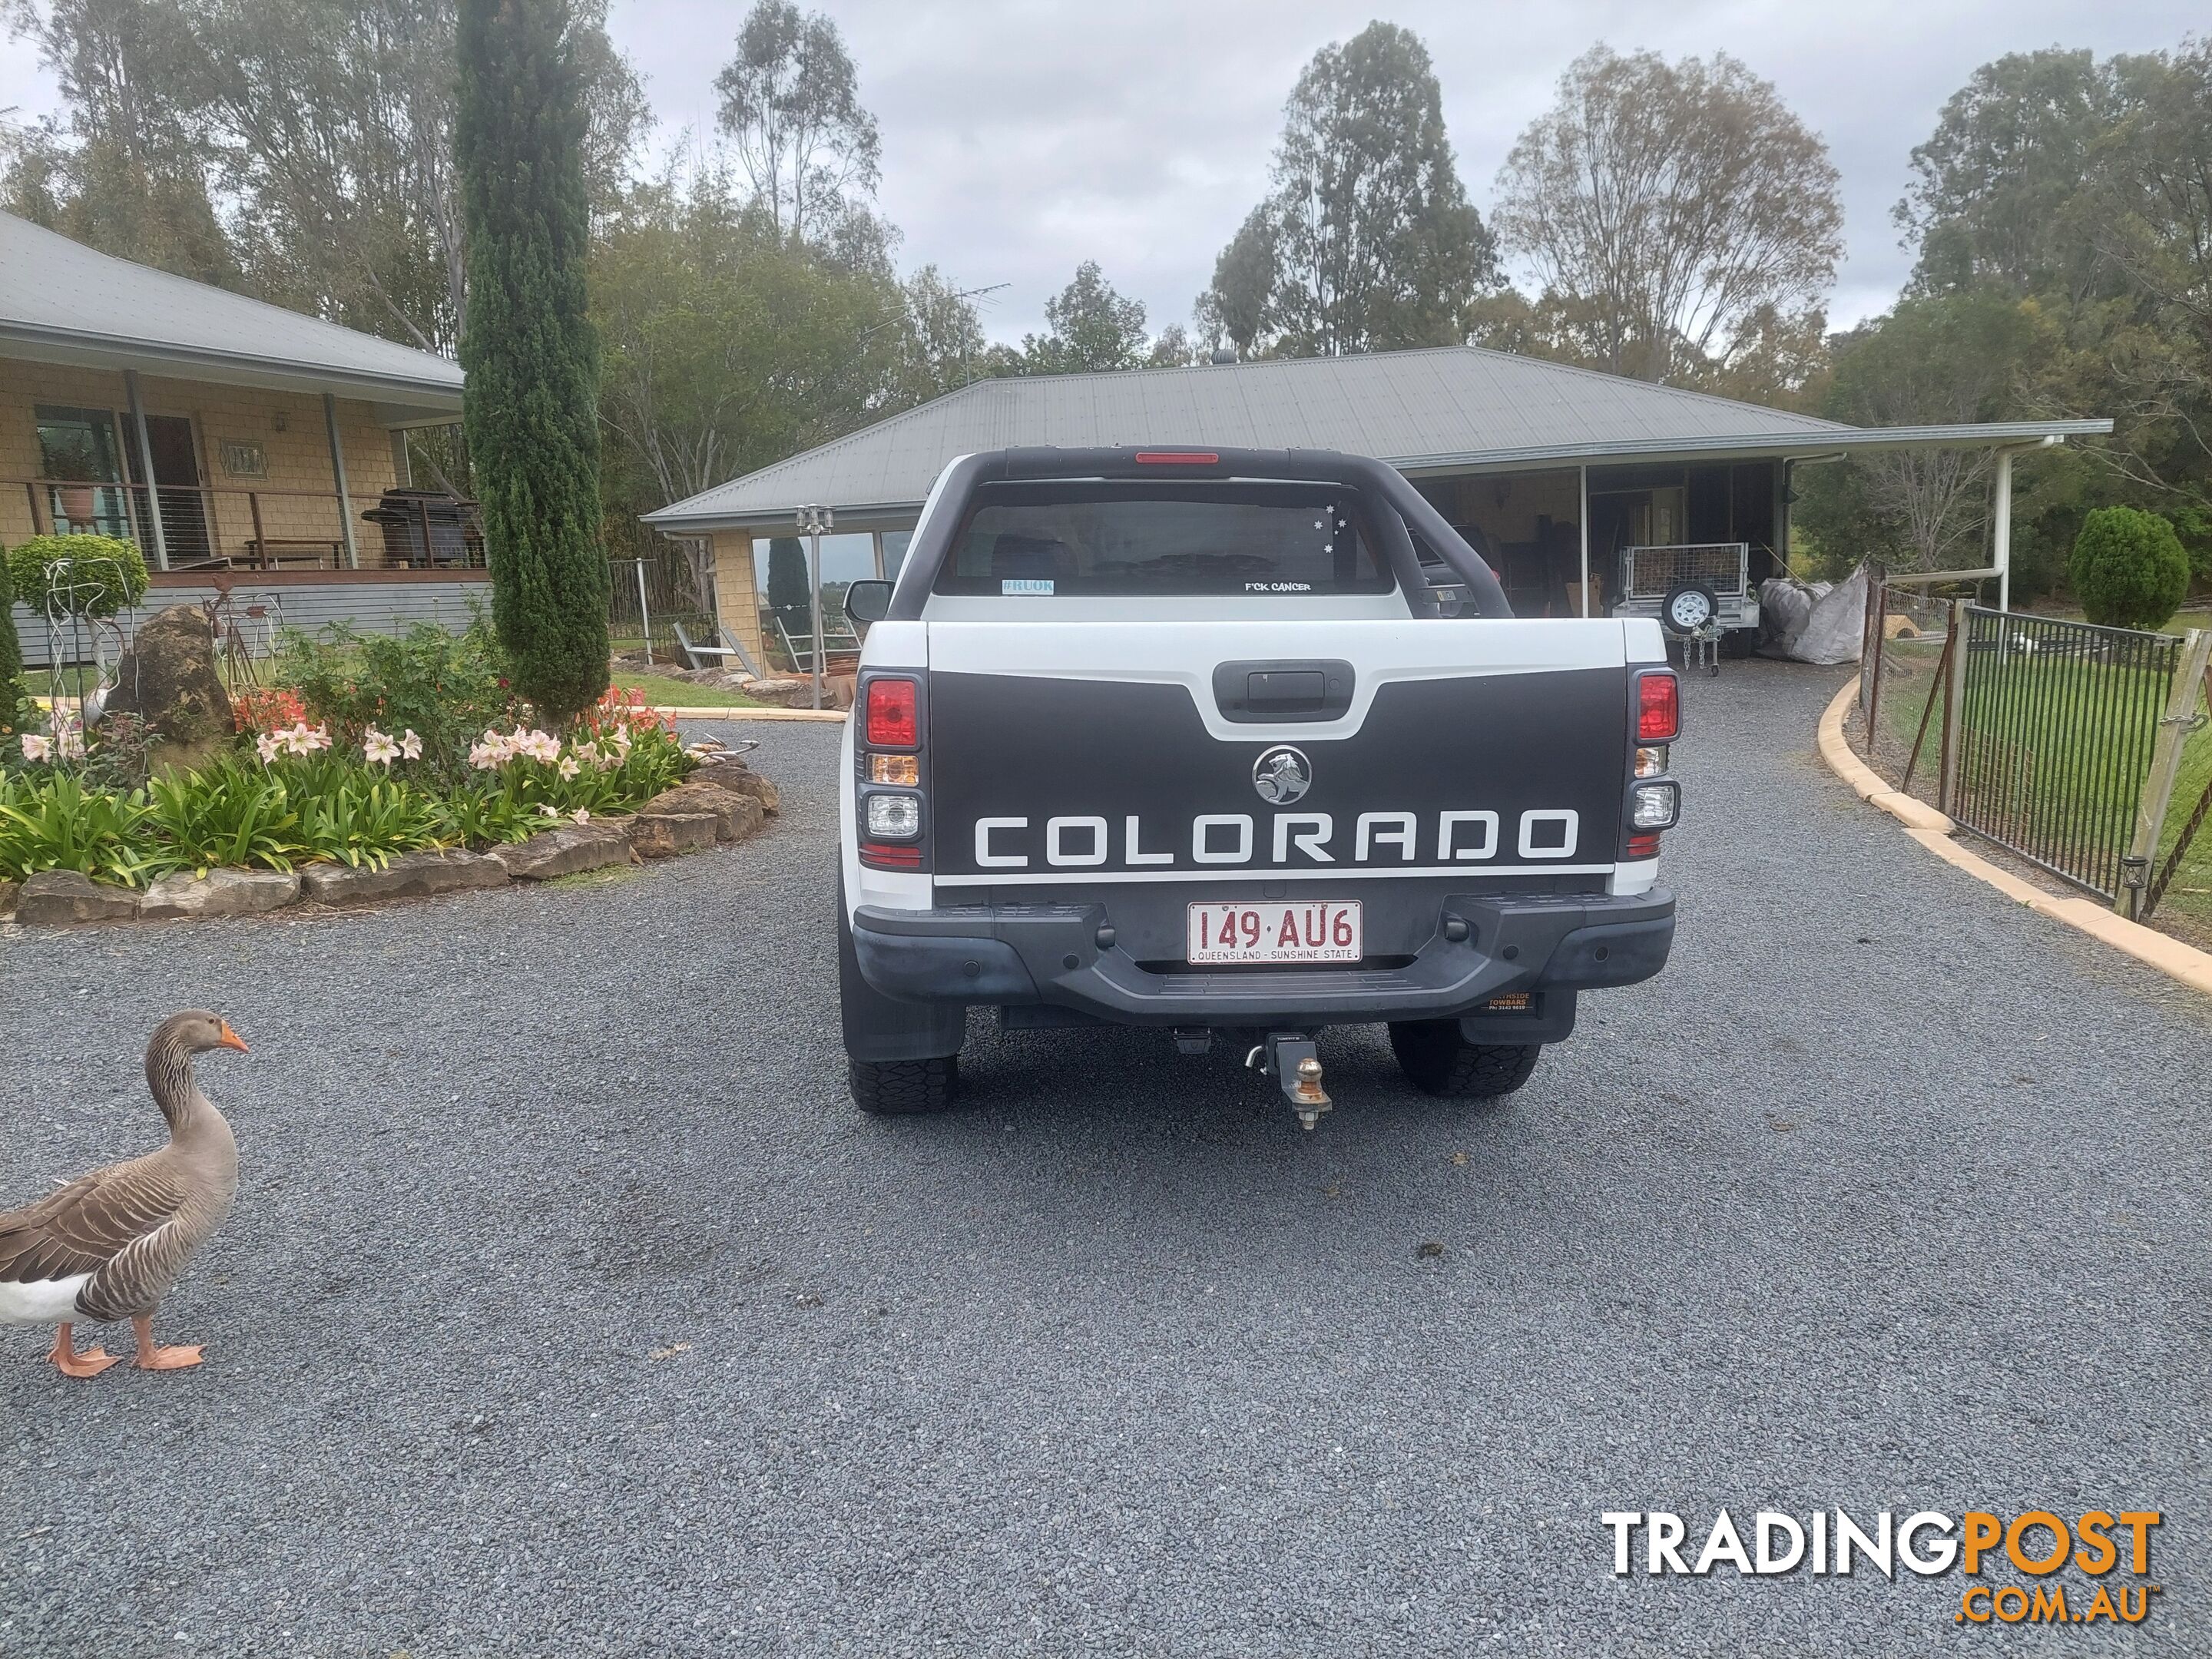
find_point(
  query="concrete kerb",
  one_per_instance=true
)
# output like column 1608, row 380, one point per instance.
column 750, row 713
column 1933, row 830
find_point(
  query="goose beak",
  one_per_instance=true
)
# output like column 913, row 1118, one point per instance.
column 230, row 1039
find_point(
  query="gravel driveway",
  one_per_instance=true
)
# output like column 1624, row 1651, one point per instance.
column 568, row 1307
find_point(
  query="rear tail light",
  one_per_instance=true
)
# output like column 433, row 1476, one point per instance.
column 895, row 768
column 894, row 817
column 1644, row 845
column 880, row 857
column 1655, row 806
column 1658, row 706
column 893, row 715
column 889, row 808
column 1177, row 458
column 1651, row 761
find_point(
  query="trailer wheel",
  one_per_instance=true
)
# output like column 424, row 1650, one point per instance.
column 1439, row 1060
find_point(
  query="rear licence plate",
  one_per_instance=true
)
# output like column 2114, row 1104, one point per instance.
column 1310, row 931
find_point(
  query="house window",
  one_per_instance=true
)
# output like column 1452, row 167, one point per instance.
column 78, row 447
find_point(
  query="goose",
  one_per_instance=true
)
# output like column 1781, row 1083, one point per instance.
column 109, row 1245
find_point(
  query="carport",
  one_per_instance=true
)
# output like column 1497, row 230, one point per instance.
column 1551, row 472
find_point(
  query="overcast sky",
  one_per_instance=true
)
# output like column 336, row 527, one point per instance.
column 1023, row 136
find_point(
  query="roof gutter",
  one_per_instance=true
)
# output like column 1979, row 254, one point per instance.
column 1815, row 443
column 120, row 351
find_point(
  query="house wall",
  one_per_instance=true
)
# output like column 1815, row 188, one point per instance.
column 735, row 593
column 374, row 602
column 299, row 456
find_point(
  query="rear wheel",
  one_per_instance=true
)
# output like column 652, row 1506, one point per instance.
column 903, row 1057
column 900, row 1088
column 1439, row 1060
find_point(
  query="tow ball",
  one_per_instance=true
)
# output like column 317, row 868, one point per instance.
column 1290, row 1056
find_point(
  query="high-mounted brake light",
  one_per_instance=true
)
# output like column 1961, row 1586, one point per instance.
column 1177, row 458
column 1658, row 707
column 893, row 721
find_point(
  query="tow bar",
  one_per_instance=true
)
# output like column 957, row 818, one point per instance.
column 1290, row 1055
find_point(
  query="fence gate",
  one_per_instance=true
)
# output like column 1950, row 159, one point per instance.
column 646, row 599
column 2057, row 721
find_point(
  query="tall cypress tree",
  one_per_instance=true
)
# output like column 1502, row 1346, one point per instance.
column 530, row 409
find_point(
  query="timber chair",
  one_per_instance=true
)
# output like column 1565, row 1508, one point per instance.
column 713, row 649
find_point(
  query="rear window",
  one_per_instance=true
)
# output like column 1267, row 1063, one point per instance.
column 1122, row 541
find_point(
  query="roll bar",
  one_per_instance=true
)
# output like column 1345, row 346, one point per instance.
column 1410, row 513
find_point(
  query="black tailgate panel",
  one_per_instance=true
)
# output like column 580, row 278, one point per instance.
column 1011, row 746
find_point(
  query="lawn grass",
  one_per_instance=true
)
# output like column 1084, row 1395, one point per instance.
column 680, row 694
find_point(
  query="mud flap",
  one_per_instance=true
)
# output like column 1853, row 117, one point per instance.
column 881, row 1027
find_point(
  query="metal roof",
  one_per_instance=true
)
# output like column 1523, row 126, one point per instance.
column 61, row 301
column 1450, row 408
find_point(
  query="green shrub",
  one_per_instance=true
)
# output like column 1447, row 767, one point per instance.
column 233, row 812
column 446, row 688
column 366, row 818
column 2129, row 569
column 55, row 823
column 90, row 575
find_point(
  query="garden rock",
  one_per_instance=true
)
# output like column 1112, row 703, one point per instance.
column 8, row 891
column 56, row 897
column 411, row 875
column 736, row 815
column 169, row 679
column 664, row 834
column 734, row 776
column 780, row 692
column 219, row 893
column 570, row 850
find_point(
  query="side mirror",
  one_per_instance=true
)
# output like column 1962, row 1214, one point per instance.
column 869, row 601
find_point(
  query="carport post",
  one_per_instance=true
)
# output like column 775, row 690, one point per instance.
column 2001, row 531
column 1585, row 470
column 812, row 521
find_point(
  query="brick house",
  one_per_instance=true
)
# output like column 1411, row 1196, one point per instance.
column 241, row 445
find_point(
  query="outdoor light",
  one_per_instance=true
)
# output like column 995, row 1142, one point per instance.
column 894, row 818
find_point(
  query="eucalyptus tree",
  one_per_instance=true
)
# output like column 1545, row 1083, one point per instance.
column 1664, row 206
column 791, row 107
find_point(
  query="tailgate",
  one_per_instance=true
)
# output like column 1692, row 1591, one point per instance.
column 1100, row 754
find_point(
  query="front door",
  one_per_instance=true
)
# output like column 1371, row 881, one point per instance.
column 176, row 474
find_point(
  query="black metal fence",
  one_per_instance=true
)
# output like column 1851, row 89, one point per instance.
column 2057, row 721
column 648, row 598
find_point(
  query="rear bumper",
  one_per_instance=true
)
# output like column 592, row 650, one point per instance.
column 1013, row 955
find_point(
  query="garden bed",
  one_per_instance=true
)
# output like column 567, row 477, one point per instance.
column 370, row 769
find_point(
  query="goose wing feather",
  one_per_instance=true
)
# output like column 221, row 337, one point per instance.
column 89, row 1223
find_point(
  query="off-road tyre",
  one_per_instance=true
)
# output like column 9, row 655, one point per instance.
column 1439, row 1060
column 905, row 1088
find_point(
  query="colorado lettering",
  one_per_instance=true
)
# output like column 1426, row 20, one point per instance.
column 1541, row 835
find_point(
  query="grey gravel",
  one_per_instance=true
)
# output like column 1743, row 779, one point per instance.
column 568, row 1307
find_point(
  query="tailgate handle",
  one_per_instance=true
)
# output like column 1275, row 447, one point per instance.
column 1252, row 692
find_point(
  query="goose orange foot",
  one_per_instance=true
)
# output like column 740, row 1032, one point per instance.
column 71, row 1363
column 152, row 1357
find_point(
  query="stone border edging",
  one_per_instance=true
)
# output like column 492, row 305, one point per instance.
column 1933, row 830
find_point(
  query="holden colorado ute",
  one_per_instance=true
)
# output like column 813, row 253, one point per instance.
column 1242, row 742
